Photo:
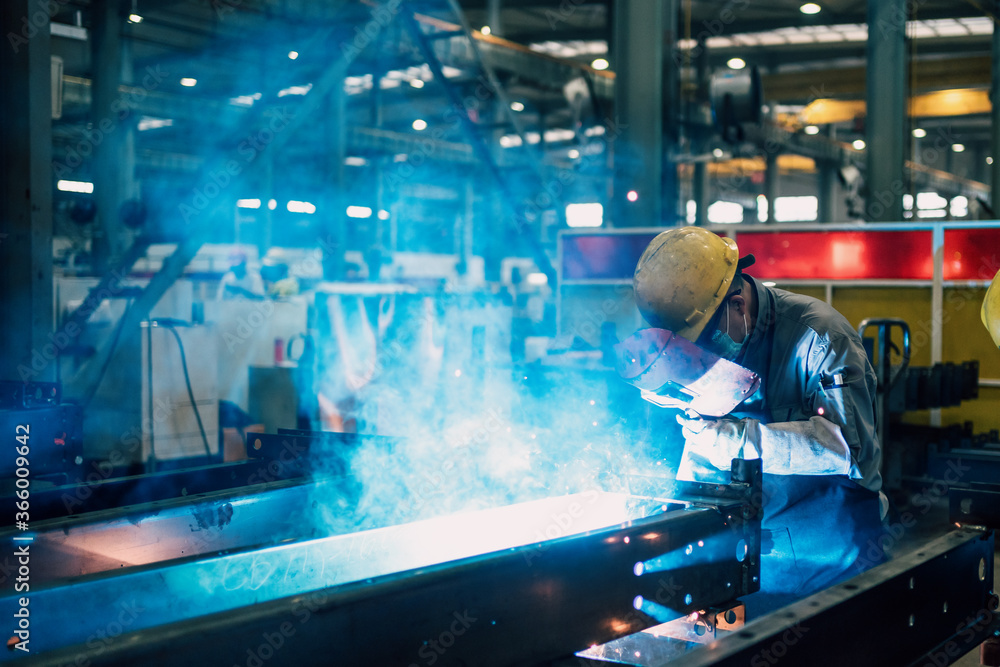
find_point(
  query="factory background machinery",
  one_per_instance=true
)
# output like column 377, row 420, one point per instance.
column 311, row 313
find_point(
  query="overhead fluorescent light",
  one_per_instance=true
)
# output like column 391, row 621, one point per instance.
column 359, row 212
column 301, row 207
column 75, row 186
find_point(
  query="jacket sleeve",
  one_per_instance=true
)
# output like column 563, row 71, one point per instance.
column 832, row 430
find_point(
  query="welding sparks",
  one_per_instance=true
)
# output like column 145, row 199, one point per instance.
column 656, row 610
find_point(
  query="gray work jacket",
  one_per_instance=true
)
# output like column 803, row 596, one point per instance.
column 816, row 529
column 813, row 366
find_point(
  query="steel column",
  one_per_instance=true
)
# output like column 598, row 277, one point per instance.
column 106, row 61
column 699, row 145
column 771, row 182
column 673, row 213
column 26, row 202
column 638, row 61
column 828, row 183
column 995, row 116
column 493, row 17
column 336, row 209
column 886, row 100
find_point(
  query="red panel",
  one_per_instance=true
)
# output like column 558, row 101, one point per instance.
column 971, row 254
column 839, row 255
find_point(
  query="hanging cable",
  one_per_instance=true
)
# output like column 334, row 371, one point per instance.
column 169, row 324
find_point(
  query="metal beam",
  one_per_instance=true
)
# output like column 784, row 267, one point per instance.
column 415, row 578
column 932, row 606
column 26, row 200
column 638, row 59
column 886, row 100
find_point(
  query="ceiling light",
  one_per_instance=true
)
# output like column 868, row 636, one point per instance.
column 537, row 279
column 272, row 204
column 859, row 144
column 574, row 154
column 516, row 106
column 417, row 83
column 134, row 18
column 75, row 186
column 300, row 207
column 189, row 82
column 736, row 63
column 359, row 212
column 810, row 8
column 958, row 148
column 810, row 129
column 485, row 30
column 383, row 215
column 632, row 195
column 919, row 132
column 419, row 124
column 292, row 55
column 718, row 153
column 599, row 63
column 989, row 160
column 248, row 203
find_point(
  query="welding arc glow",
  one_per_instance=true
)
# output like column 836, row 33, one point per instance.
column 715, row 550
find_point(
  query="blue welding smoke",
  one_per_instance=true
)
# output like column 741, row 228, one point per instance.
column 433, row 361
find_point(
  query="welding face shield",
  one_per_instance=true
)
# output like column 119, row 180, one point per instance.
column 671, row 371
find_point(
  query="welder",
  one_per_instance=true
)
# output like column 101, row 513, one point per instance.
column 811, row 422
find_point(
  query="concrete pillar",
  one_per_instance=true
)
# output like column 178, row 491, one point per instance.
column 106, row 66
column 885, row 125
column 637, row 58
column 26, row 200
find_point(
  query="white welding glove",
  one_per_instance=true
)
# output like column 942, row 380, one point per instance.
column 813, row 447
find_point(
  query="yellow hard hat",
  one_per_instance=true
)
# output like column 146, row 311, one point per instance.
column 990, row 312
column 683, row 277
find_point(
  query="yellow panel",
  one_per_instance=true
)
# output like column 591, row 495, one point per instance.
column 822, row 111
column 912, row 304
column 982, row 412
column 954, row 102
column 965, row 338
